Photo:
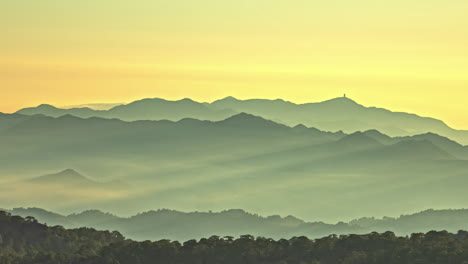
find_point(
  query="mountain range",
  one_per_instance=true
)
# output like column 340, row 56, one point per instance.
column 175, row 225
column 339, row 114
column 244, row 161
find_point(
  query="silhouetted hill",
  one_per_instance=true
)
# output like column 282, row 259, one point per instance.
column 175, row 225
column 247, row 122
column 331, row 115
column 94, row 218
column 49, row 110
column 170, row 224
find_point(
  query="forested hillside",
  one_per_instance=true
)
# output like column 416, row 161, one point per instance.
column 24, row 241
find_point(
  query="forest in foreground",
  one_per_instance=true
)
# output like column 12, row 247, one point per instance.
column 25, row 241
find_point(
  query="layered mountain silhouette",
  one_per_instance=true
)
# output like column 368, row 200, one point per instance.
column 243, row 161
column 146, row 109
column 333, row 115
column 176, row 225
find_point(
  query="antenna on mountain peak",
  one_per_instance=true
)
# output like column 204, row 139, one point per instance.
column 344, row 95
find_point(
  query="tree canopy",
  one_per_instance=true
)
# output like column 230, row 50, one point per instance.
column 24, row 241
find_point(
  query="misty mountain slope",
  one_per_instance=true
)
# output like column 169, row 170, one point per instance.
column 170, row 224
column 176, row 225
column 68, row 137
column 10, row 120
column 309, row 153
column 312, row 188
column 357, row 149
column 331, row 115
column 66, row 177
column 342, row 114
column 380, row 137
column 408, row 150
column 443, row 143
column 244, row 161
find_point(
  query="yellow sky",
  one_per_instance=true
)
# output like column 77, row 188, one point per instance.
column 403, row 55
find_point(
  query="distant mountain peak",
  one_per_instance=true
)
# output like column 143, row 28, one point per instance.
column 342, row 100
column 229, row 98
column 67, row 176
column 226, row 100
column 300, row 126
column 187, row 100
column 46, row 106
column 70, row 172
column 374, row 132
column 379, row 136
column 243, row 115
column 92, row 213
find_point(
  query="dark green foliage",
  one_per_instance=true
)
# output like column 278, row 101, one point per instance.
column 433, row 247
column 25, row 241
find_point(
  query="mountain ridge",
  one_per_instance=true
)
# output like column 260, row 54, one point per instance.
column 193, row 164
column 331, row 115
column 163, row 223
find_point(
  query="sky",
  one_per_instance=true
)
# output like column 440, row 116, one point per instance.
column 404, row 55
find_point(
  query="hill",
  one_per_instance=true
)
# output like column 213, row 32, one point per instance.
column 25, row 241
column 175, row 225
column 333, row 115
column 244, row 161
column 66, row 178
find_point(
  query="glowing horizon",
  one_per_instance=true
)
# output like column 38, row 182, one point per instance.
column 407, row 56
